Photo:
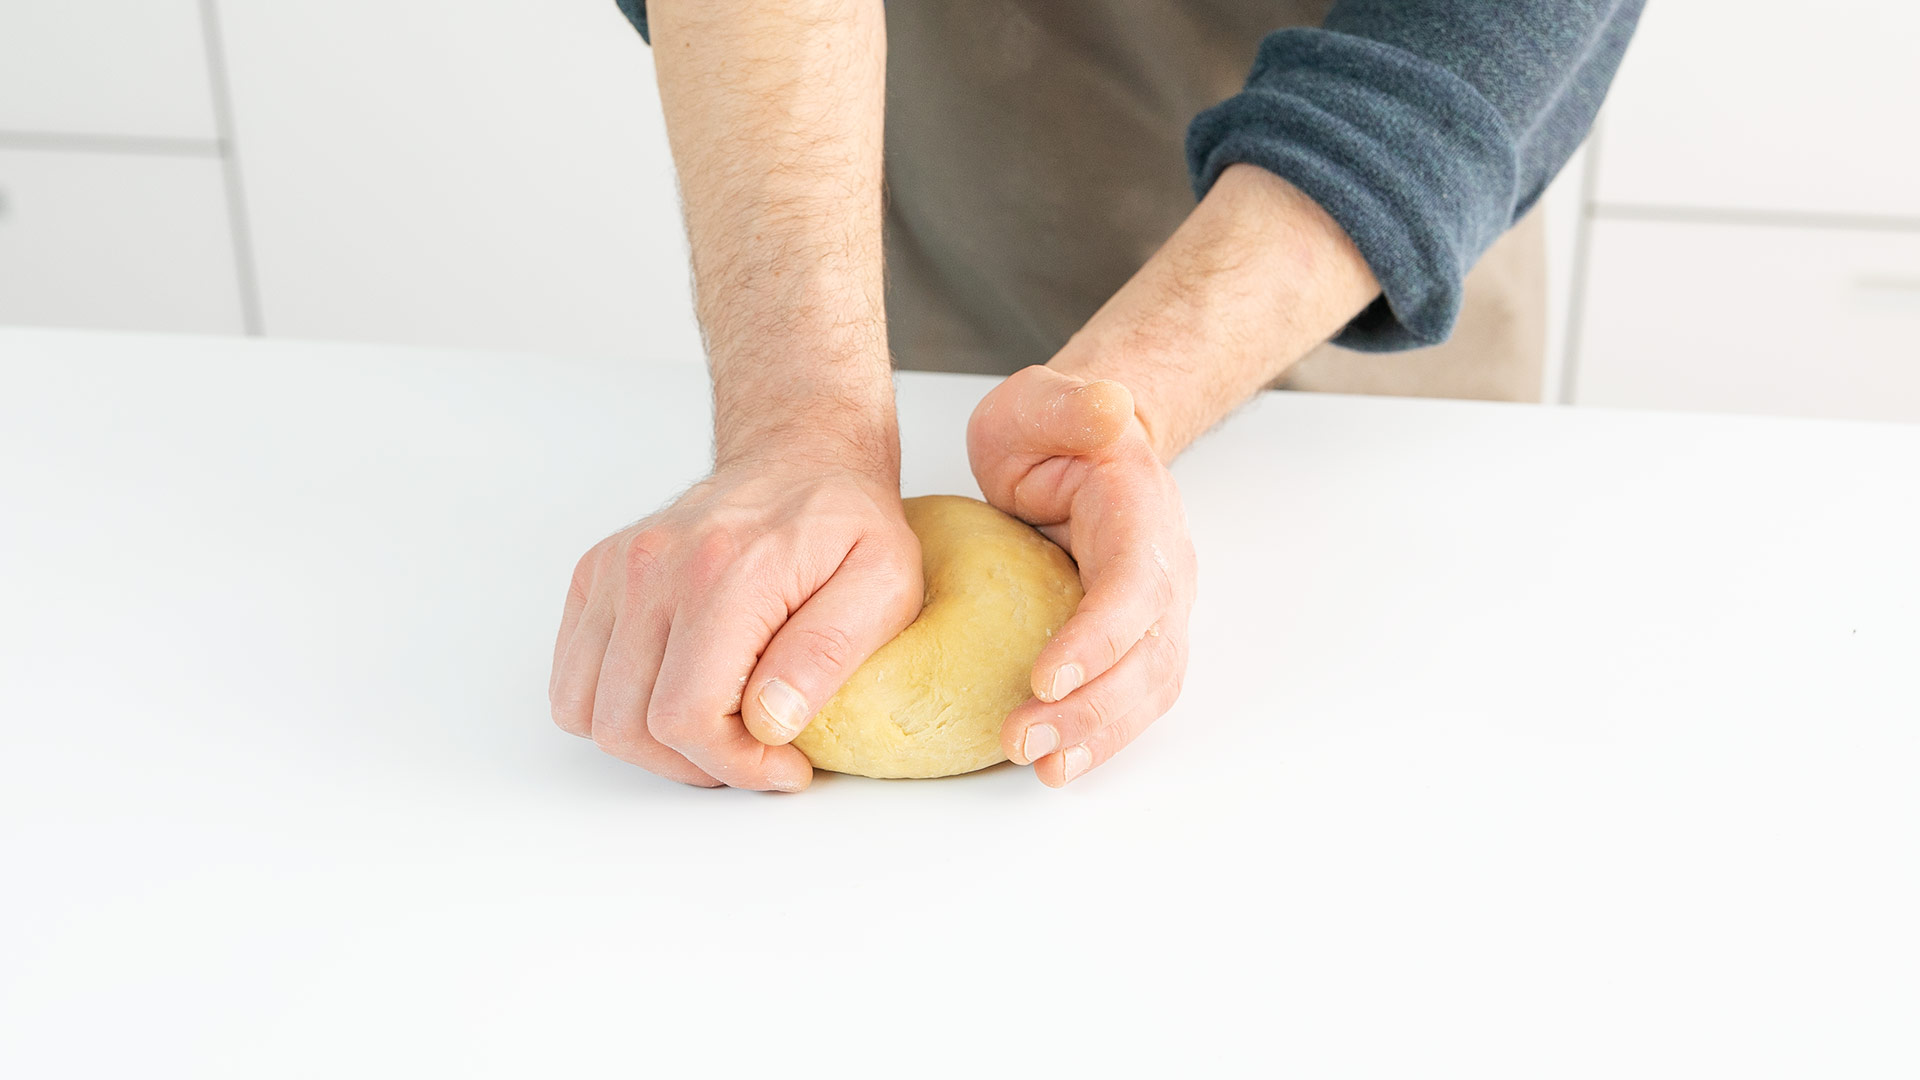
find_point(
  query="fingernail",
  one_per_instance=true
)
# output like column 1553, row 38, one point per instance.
column 1078, row 759
column 1041, row 740
column 786, row 709
column 1065, row 681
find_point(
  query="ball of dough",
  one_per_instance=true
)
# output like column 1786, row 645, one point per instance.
column 932, row 700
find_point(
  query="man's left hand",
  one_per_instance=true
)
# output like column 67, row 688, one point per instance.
column 1071, row 457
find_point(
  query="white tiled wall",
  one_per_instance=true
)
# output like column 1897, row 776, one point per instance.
column 119, row 241
column 121, row 68
column 115, row 208
column 494, row 174
column 487, row 174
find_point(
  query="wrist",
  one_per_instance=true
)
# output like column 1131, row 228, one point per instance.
column 846, row 424
column 1256, row 277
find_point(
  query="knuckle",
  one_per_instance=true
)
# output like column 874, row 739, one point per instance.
column 571, row 714
column 1170, row 662
column 1114, row 740
column 580, row 586
column 1100, row 711
column 1026, row 377
column 902, row 581
column 712, row 556
column 828, row 647
column 1168, row 651
column 673, row 727
column 903, row 564
column 1105, row 744
column 1160, row 578
column 1176, row 681
column 613, row 740
column 642, row 554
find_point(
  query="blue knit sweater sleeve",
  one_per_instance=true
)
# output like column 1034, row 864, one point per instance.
column 1426, row 128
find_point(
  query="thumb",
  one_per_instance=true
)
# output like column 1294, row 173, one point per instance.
column 1046, row 413
column 860, row 608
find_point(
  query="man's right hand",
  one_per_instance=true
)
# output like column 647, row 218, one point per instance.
column 697, row 643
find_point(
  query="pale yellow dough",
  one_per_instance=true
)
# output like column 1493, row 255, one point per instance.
column 931, row 701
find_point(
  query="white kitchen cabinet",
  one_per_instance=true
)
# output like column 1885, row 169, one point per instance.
column 492, row 175
column 116, row 241
column 1783, row 321
column 125, row 68
column 1768, row 105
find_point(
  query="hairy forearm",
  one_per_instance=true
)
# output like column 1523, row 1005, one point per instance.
column 1256, row 276
column 774, row 111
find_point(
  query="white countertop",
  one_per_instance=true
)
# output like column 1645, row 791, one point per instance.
column 1518, row 741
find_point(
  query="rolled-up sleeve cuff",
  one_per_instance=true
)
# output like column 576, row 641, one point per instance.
column 1411, row 160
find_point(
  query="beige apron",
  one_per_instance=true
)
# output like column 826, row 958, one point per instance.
column 1035, row 159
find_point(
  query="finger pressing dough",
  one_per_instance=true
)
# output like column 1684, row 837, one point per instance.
column 931, row 701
